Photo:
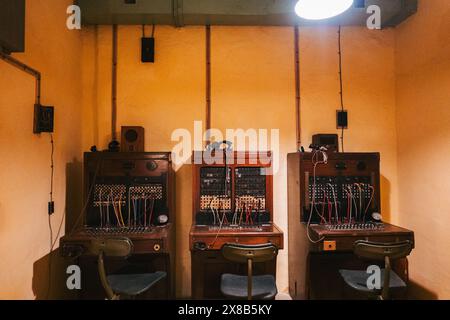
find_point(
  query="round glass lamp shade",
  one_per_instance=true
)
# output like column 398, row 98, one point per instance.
column 321, row 9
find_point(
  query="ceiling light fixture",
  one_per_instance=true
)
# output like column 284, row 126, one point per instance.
column 321, row 9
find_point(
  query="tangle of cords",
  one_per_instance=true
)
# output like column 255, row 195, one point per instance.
column 134, row 212
column 212, row 210
column 234, row 220
column 152, row 207
column 315, row 163
column 116, row 210
column 335, row 202
column 145, row 212
column 356, row 209
column 77, row 221
column 242, row 213
column 370, row 200
column 224, row 216
column 120, row 210
column 360, row 198
column 107, row 211
column 348, row 190
column 220, row 228
column 322, row 218
column 101, row 208
column 323, row 206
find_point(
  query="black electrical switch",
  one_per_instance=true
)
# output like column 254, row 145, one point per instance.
column 341, row 119
column 148, row 49
column 51, row 207
column 43, row 119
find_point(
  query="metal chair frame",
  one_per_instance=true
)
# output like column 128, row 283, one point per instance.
column 249, row 254
column 111, row 247
column 382, row 252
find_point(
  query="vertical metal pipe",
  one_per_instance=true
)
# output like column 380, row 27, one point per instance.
column 114, row 84
column 297, row 87
column 341, row 91
column 38, row 89
column 340, row 69
column 208, row 80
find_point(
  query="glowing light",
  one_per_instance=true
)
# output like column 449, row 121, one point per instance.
column 321, row 9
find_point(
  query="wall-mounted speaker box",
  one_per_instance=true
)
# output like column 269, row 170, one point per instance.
column 329, row 141
column 12, row 25
column 132, row 139
column 148, row 49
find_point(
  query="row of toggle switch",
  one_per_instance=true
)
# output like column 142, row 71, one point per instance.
column 355, row 226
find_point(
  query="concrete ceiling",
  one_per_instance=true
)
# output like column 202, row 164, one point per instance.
column 232, row 12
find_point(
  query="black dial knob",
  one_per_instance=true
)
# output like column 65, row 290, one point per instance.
column 361, row 165
column 151, row 165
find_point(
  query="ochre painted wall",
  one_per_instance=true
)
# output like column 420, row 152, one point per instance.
column 252, row 87
column 25, row 158
column 423, row 124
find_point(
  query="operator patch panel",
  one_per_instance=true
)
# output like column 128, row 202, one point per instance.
column 339, row 188
column 233, row 195
column 150, row 191
column 126, row 191
column 330, row 187
column 215, row 181
column 215, row 188
column 104, row 193
column 250, row 181
column 213, row 201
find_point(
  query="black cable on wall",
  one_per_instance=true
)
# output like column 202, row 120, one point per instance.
column 297, row 87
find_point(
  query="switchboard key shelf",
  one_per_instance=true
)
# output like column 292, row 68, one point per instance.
column 354, row 226
column 119, row 231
